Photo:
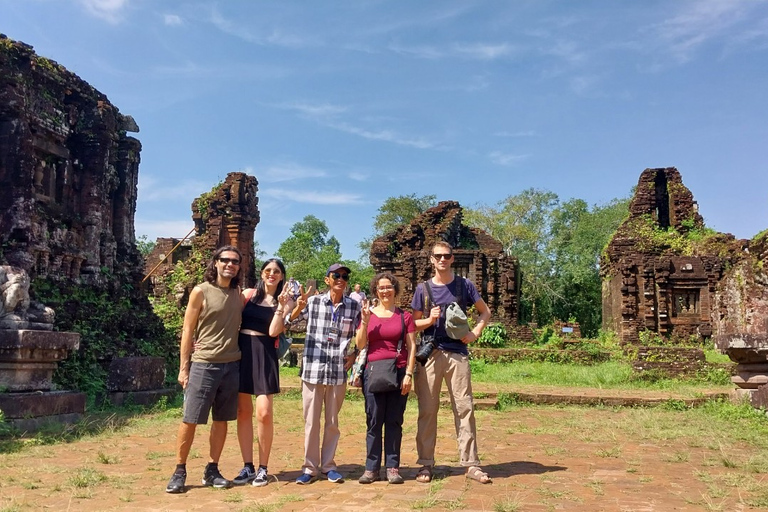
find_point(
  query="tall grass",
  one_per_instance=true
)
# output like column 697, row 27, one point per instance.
column 608, row 375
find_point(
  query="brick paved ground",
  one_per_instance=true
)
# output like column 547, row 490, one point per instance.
column 541, row 458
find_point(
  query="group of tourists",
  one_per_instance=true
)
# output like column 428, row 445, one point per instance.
column 228, row 355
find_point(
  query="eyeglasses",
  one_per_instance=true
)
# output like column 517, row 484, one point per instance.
column 443, row 256
column 272, row 271
column 337, row 275
column 385, row 288
column 229, row 260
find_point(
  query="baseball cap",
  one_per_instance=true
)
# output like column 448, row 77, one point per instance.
column 336, row 267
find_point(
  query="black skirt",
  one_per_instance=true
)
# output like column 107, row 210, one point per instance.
column 259, row 370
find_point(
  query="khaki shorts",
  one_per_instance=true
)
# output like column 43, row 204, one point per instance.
column 211, row 386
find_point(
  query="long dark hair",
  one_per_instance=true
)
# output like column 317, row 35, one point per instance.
column 261, row 287
column 211, row 273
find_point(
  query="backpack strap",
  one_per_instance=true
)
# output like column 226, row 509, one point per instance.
column 429, row 295
column 402, row 338
column 462, row 298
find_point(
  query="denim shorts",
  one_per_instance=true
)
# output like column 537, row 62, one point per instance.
column 211, row 386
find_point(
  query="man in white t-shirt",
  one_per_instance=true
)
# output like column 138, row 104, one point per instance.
column 358, row 294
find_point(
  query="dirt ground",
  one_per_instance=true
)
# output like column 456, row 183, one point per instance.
column 540, row 458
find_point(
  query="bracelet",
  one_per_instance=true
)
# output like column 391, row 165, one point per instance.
column 278, row 310
column 408, row 374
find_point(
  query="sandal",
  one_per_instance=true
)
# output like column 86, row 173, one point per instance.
column 478, row 475
column 424, row 475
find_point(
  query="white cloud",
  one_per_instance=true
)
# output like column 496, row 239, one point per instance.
column 310, row 110
column 420, row 52
column 506, row 159
column 151, row 189
column 172, row 20
column 568, row 51
column 357, row 176
column 383, row 135
column 312, row 196
column 110, row 11
column 286, row 172
column 155, row 229
column 698, row 23
column 327, row 115
column 276, row 37
column 484, row 51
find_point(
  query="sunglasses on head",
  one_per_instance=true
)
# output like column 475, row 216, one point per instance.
column 229, row 260
column 443, row 256
column 338, row 275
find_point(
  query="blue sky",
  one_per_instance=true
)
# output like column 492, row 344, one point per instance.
column 335, row 106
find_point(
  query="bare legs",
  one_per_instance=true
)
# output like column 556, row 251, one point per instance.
column 245, row 425
column 264, row 426
column 187, row 434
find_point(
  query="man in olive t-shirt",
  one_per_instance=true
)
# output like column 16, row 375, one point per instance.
column 210, row 375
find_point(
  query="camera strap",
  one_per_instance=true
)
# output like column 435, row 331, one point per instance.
column 431, row 300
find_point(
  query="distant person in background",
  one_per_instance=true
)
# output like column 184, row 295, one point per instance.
column 358, row 294
column 294, row 289
column 210, row 375
column 264, row 312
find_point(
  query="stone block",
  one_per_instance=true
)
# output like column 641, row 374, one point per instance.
column 136, row 374
column 29, row 358
column 145, row 398
column 39, row 404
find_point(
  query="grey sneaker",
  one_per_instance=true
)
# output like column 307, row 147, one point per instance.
column 212, row 478
column 176, row 483
column 393, row 476
column 369, row 477
column 261, row 478
column 245, row 476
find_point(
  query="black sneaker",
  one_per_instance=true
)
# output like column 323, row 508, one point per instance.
column 246, row 476
column 176, row 483
column 212, row 478
column 261, row 479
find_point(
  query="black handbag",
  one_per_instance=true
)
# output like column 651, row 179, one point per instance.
column 381, row 375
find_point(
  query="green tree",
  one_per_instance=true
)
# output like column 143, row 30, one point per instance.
column 144, row 245
column 522, row 224
column 558, row 247
column 309, row 251
column 579, row 234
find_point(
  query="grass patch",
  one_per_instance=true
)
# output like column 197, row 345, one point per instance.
column 86, row 477
column 607, row 375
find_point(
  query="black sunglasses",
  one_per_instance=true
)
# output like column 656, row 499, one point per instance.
column 229, row 260
column 337, row 275
column 443, row 256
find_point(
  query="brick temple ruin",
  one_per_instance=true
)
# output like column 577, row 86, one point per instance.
column 477, row 256
column 227, row 215
column 665, row 273
column 662, row 270
column 68, row 172
column 68, row 189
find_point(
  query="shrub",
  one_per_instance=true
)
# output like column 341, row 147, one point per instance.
column 493, row 336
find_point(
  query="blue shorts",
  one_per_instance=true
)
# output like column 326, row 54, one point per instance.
column 211, row 386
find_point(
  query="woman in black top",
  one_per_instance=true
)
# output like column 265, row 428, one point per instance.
column 265, row 308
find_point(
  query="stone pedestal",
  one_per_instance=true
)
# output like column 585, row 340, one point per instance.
column 27, row 361
column 750, row 351
column 136, row 381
